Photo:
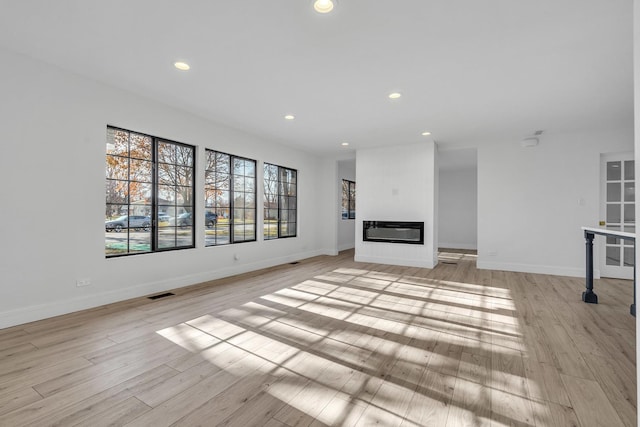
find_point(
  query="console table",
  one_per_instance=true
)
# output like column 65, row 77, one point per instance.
column 588, row 295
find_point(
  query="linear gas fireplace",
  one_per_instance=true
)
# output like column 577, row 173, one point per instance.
column 393, row 232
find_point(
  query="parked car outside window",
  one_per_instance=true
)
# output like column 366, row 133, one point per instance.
column 186, row 220
column 137, row 222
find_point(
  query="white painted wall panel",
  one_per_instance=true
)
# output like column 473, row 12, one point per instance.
column 397, row 184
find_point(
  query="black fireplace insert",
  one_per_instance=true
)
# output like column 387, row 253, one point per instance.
column 393, row 232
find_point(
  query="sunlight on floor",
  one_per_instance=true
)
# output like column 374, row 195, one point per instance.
column 358, row 347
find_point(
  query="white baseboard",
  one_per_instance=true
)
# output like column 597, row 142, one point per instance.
column 344, row 247
column 537, row 269
column 56, row 308
column 405, row 262
column 470, row 246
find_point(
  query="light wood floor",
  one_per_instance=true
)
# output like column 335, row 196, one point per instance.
column 332, row 342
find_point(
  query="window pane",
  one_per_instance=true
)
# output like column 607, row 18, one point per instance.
column 629, row 170
column 166, row 237
column 184, row 236
column 117, row 191
column 238, row 167
column 613, row 240
column 184, row 155
column 628, row 257
column 614, row 192
column 184, row 175
column 166, row 153
column 238, row 183
column 613, row 255
column 613, row 171
column 250, row 169
column 167, row 174
column 117, row 167
column 629, row 192
column 117, row 142
column 140, row 146
column 613, row 213
column 140, row 170
column 629, row 212
column 629, row 229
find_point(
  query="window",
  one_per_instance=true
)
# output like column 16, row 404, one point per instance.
column 230, row 199
column 280, row 202
column 348, row 199
column 149, row 194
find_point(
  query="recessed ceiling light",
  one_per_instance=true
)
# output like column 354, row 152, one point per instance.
column 426, row 133
column 395, row 95
column 323, row 6
column 182, row 66
column 289, row 117
column 344, row 144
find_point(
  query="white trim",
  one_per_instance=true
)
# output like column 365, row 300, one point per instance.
column 469, row 246
column 346, row 246
column 405, row 262
column 537, row 269
column 47, row 310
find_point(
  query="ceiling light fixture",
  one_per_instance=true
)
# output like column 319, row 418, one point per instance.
column 344, row 144
column 426, row 133
column 289, row 117
column 395, row 95
column 323, row 6
column 182, row 66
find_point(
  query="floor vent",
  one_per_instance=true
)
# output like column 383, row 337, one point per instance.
column 449, row 262
column 294, row 262
column 166, row 294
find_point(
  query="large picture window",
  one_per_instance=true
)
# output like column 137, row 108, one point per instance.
column 280, row 202
column 149, row 194
column 348, row 199
column 230, row 199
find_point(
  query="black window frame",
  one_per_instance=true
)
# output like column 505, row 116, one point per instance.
column 279, row 202
column 153, row 204
column 349, row 196
column 233, row 178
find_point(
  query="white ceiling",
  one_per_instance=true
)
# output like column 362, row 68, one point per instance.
column 468, row 69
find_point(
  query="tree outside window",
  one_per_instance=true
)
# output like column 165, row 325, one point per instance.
column 348, row 199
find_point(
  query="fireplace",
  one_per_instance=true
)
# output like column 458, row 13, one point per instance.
column 393, row 232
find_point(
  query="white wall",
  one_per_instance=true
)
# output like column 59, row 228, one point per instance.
column 346, row 227
column 53, row 126
column 533, row 201
column 636, row 68
column 398, row 184
column 458, row 209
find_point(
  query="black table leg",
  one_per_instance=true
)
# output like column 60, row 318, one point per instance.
column 588, row 295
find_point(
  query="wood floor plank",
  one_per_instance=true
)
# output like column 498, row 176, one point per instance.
column 181, row 405
column 549, row 414
column 118, row 415
column 225, row 404
column 590, row 403
column 431, row 400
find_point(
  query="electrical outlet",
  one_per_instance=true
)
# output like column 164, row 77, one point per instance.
column 493, row 253
column 83, row 282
